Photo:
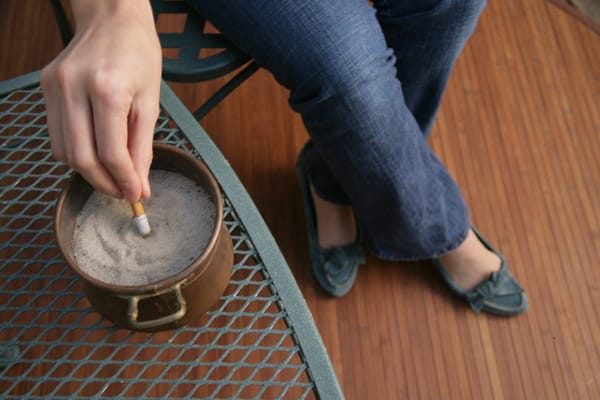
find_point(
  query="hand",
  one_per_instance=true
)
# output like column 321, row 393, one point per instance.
column 102, row 96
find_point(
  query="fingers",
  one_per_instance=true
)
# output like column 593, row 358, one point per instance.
column 98, row 131
column 53, row 113
column 79, row 144
column 111, row 106
column 71, row 131
column 142, row 120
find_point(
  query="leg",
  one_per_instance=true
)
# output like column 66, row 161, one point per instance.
column 369, row 149
column 427, row 36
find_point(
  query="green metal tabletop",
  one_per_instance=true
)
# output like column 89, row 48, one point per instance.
column 259, row 341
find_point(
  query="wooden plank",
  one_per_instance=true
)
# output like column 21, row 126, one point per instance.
column 519, row 129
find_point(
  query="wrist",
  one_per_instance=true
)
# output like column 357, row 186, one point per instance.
column 86, row 12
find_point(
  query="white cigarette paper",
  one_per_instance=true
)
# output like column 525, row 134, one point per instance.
column 140, row 219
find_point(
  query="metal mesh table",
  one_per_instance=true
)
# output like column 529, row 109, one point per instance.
column 259, row 341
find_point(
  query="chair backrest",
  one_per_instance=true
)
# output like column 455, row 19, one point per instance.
column 189, row 62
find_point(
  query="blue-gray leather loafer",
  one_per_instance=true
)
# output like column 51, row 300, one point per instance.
column 500, row 294
column 334, row 269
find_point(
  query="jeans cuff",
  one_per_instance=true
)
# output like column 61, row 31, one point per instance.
column 390, row 255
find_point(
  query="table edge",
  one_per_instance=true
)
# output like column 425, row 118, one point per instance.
column 19, row 82
column 326, row 383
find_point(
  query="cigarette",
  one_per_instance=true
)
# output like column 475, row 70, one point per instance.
column 140, row 219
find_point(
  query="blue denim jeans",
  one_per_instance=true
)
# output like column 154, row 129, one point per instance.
column 367, row 81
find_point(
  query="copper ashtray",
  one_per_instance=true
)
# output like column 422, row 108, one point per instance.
column 170, row 302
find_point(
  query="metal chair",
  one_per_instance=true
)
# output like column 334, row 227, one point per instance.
column 189, row 62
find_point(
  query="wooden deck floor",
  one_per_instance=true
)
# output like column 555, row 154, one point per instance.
column 519, row 128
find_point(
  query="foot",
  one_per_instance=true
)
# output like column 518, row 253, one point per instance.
column 478, row 273
column 333, row 238
column 471, row 263
column 336, row 224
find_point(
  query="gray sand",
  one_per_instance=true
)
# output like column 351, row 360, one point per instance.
column 107, row 246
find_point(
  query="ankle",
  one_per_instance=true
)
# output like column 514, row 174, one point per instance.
column 471, row 263
column 336, row 224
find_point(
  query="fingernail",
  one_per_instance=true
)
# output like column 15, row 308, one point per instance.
column 145, row 194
